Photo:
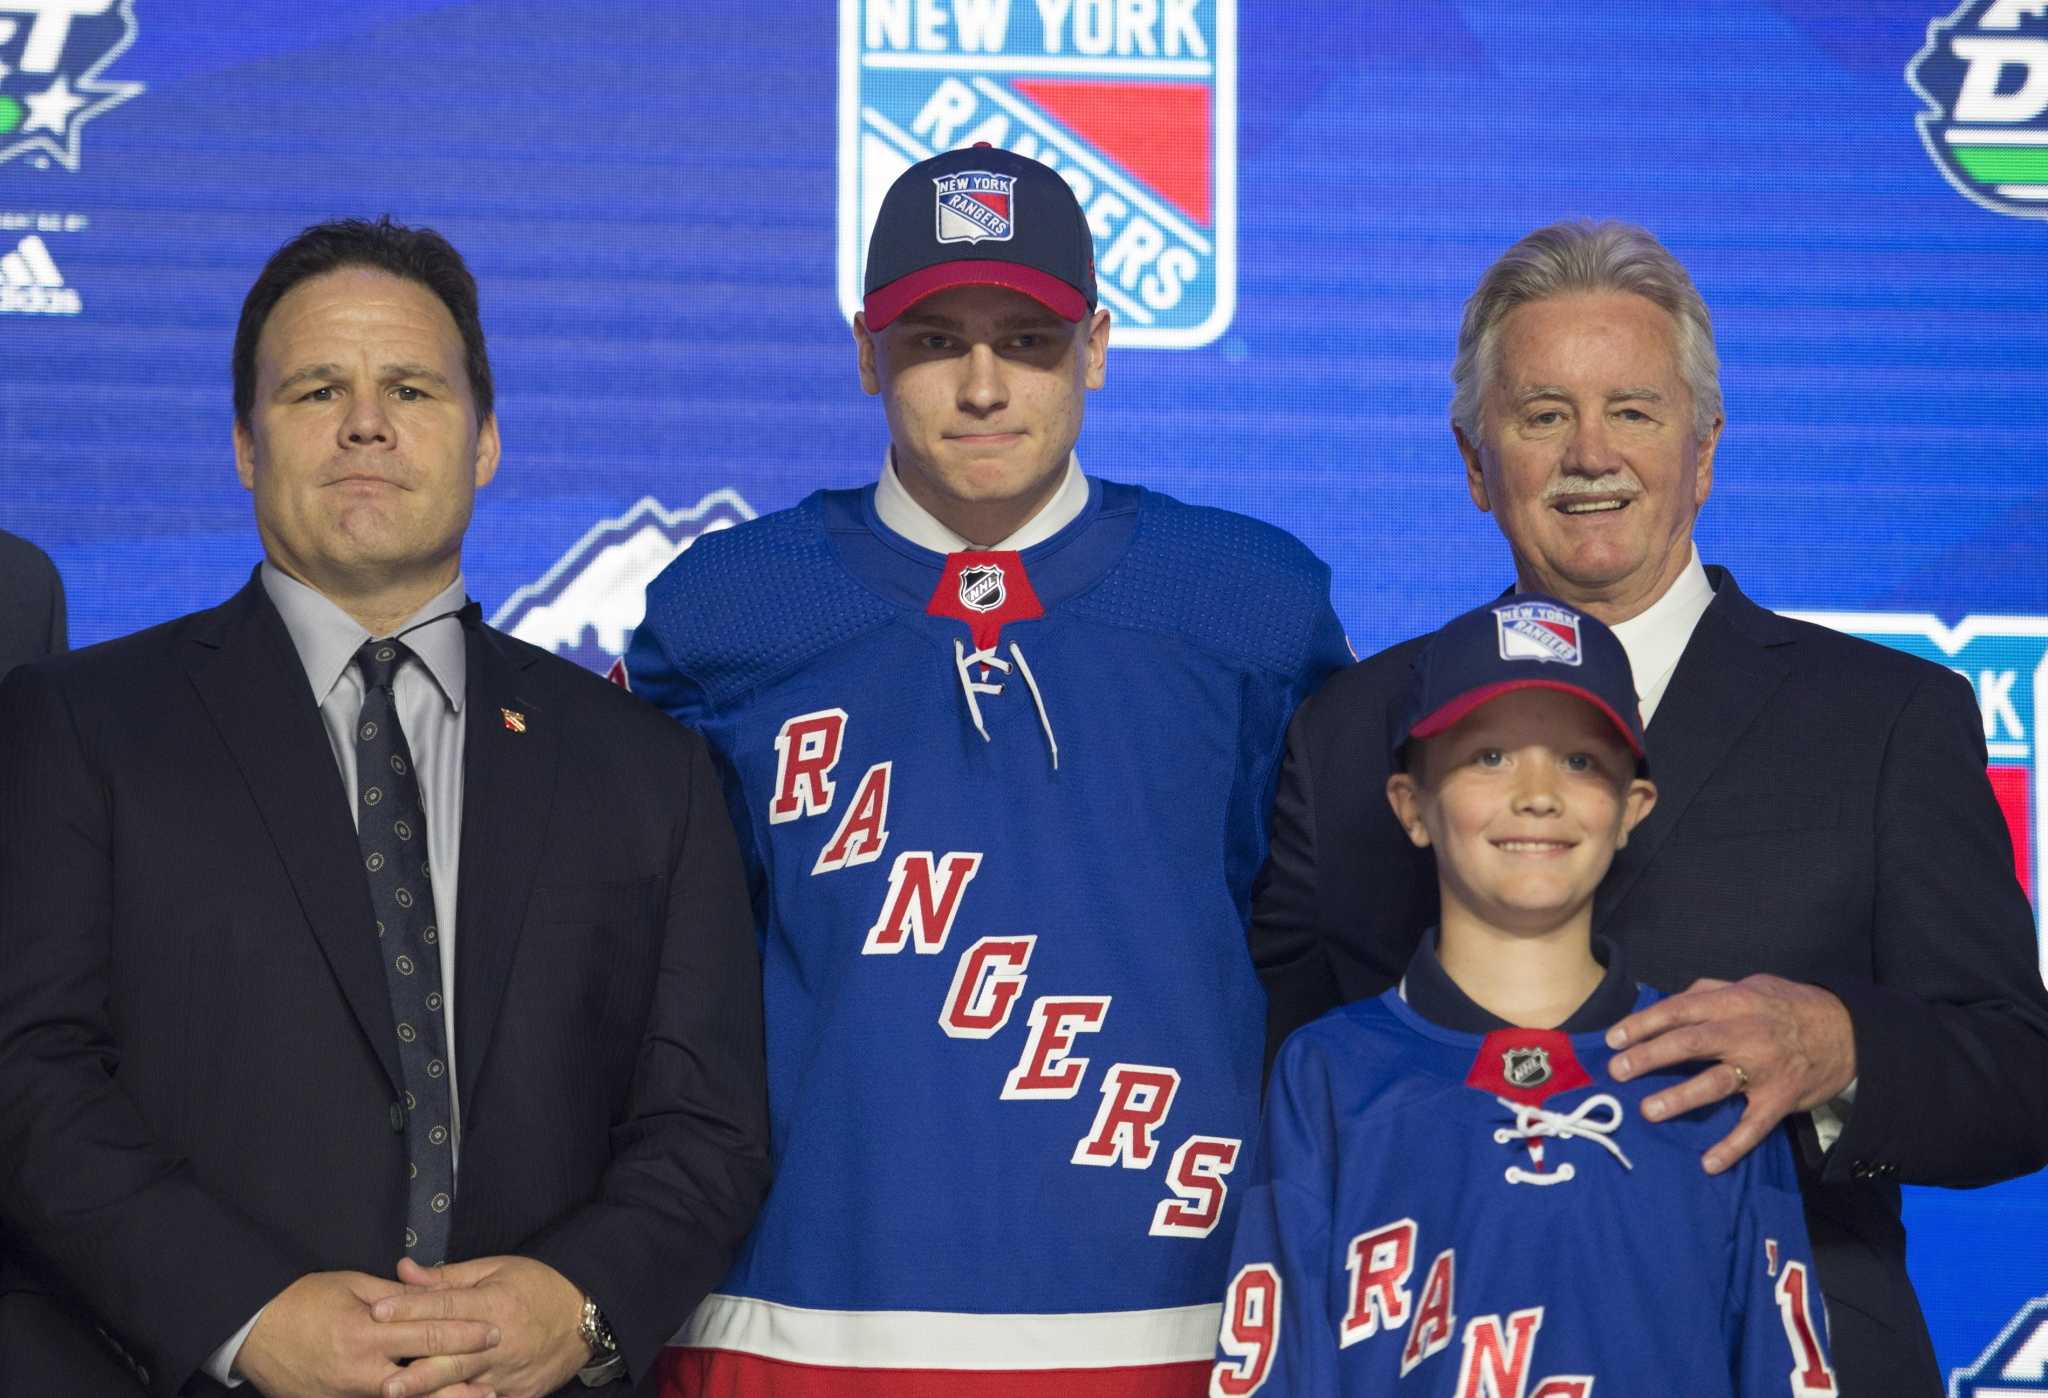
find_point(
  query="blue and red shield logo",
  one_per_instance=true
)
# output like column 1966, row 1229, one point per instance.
column 2005, row 659
column 975, row 206
column 1135, row 105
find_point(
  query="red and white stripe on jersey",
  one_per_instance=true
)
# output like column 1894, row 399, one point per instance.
column 737, row 1346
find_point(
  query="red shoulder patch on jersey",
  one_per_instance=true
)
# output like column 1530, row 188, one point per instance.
column 986, row 589
column 1528, row 1066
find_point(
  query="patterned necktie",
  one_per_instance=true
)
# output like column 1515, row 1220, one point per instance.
column 391, row 826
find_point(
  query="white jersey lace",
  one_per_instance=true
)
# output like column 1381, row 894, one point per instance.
column 1533, row 1124
column 964, row 659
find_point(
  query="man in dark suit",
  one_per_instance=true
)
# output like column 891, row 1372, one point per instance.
column 379, row 1005
column 31, row 603
column 1826, row 878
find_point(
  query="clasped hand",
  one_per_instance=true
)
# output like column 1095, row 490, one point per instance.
column 496, row 1327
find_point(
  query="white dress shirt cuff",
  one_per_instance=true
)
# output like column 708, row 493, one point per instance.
column 221, row 1367
column 1830, row 1117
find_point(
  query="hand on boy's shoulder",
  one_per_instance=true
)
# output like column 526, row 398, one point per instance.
column 1789, row 1046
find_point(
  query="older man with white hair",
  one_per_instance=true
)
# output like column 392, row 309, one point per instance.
column 1826, row 883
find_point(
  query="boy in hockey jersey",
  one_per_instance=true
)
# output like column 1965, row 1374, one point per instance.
column 999, row 740
column 1454, row 1196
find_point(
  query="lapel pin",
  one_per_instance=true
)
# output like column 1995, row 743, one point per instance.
column 514, row 720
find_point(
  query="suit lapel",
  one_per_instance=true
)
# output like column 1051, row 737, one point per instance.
column 254, row 688
column 511, row 747
column 1728, row 672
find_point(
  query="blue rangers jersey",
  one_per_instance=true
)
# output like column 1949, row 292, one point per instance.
column 1002, row 814
column 1490, row 1216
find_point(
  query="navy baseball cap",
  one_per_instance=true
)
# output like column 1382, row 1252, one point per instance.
column 979, row 217
column 1522, row 641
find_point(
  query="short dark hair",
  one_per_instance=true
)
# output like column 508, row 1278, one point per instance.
column 414, row 254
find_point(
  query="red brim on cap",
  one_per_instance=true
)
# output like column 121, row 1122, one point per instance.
column 1432, row 724
column 886, row 303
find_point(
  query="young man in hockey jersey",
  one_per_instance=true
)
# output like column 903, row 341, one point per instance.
column 1454, row 1195
column 999, row 738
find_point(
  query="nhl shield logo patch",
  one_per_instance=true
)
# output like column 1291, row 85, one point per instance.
column 981, row 587
column 1538, row 631
column 1526, row 1067
column 1133, row 102
column 1984, row 77
column 975, row 205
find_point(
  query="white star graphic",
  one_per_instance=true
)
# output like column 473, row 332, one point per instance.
column 51, row 109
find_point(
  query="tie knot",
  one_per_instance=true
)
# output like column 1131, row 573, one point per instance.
column 379, row 661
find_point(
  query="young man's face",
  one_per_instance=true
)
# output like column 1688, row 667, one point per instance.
column 1525, row 801
column 983, row 389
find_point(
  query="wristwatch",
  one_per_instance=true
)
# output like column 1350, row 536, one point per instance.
column 606, row 1363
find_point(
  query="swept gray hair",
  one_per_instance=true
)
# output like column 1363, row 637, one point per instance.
column 1585, row 256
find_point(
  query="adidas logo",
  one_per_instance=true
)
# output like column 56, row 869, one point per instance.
column 30, row 283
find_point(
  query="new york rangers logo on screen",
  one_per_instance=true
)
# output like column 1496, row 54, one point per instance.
column 1538, row 631
column 975, row 205
column 1134, row 102
column 2005, row 659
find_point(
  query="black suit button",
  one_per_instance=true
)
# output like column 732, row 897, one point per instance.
column 398, row 1117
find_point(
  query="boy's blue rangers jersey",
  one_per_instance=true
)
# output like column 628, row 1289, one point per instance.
column 1489, row 1216
column 1002, row 814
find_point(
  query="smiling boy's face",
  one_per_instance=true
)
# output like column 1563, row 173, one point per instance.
column 1524, row 800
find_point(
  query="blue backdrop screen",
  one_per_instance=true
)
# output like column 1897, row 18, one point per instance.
column 665, row 205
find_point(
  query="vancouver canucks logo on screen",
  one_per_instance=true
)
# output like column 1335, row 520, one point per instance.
column 53, row 54
column 1984, row 74
column 586, row 606
column 2016, row 1362
column 1133, row 101
column 2005, row 659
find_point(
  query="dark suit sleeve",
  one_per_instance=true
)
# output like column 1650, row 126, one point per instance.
column 689, row 1160
column 60, row 634
column 1952, row 1025
column 85, row 1189
column 1286, row 941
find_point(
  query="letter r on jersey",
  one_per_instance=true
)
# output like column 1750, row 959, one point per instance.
column 806, row 751
column 1380, row 1261
column 1135, row 1100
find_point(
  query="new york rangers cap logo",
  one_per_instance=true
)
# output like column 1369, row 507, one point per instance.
column 1538, row 631
column 1526, row 641
column 974, row 205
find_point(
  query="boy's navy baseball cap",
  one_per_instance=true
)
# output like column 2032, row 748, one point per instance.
column 979, row 217
column 1522, row 641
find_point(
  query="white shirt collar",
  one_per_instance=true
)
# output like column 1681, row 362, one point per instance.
column 1656, row 636
column 903, row 515
column 327, row 638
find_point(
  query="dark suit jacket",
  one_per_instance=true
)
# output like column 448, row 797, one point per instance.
column 198, row 1068
column 1823, row 815
column 31, row 603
